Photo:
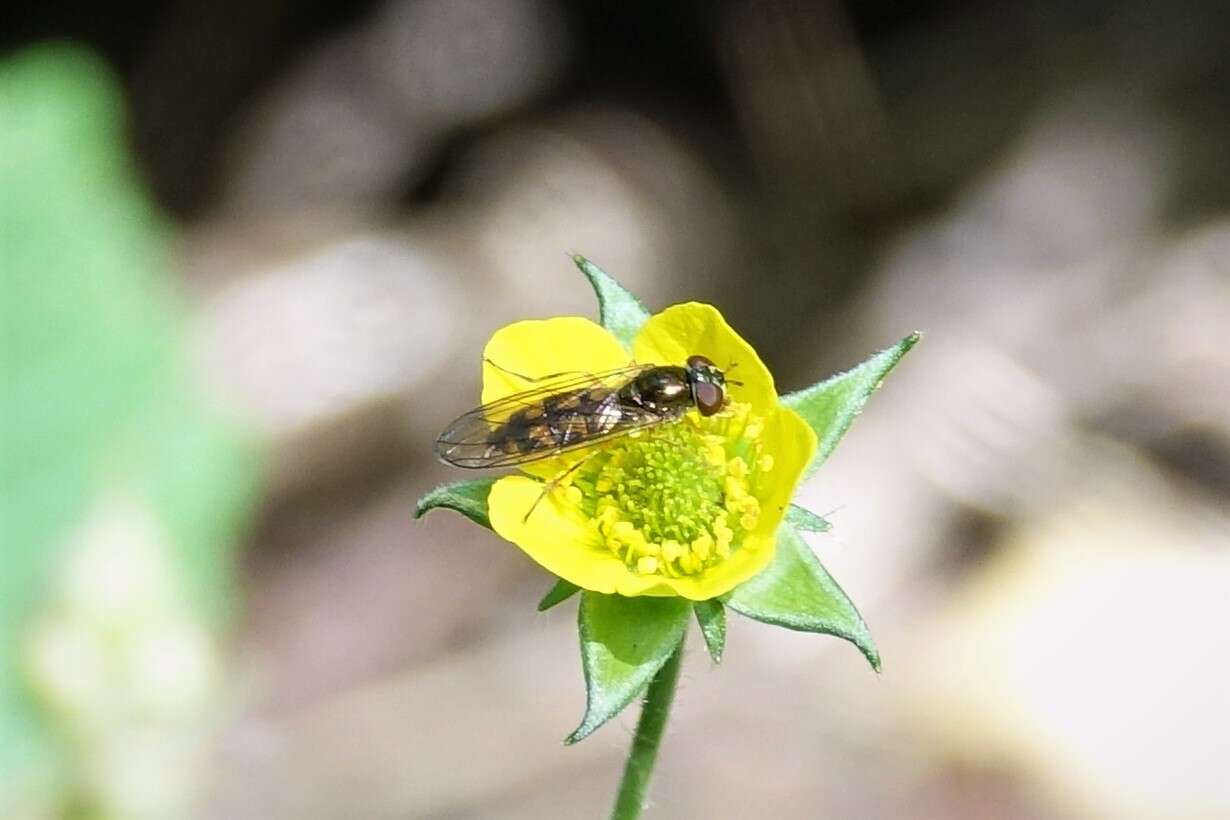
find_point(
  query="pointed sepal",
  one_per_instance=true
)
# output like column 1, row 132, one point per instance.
column 466, row 497
column 711, row 615
column 830, row 406
column 618, row 310
column 562, row 591
column 804, row 520
column 624, row 642
column 796, row 592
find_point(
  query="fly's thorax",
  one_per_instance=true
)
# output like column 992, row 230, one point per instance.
column 664, row 390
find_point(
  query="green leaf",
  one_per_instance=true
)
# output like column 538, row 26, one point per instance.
column 830, row 406
column 201, row 476
column 619, row 310
column 84, row 336
column 466, row 497
column 711, row 616
column 805, row 520
column 624, row 642
column 91, row 399
column 562, row 591
column 84, row 332
column 796, row 592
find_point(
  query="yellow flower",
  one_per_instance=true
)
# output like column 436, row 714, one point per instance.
column 688, row 508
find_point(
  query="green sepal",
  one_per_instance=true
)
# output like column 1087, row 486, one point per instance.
column 619, row 310
column 796, row 592
column 624, row 642
column 804, row 520
column 830, row 406
column 466, row 497
column 562, row 591
column 711, row 615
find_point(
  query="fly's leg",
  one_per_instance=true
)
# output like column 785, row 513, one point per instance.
column 557, row 481
column 526, row 378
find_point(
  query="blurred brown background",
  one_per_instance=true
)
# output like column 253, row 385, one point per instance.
column 1032, row 515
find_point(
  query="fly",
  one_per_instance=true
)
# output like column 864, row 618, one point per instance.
column 576, row 410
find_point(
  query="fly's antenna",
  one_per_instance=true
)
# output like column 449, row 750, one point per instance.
column 729, row 368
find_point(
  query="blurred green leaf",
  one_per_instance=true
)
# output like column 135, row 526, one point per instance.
column 624, row 642
column 92, row 397
column 796, row 592
column 711, row 616
column 805, row 520
column 466, row 497
column 830, row 406
column 85, row 336
column 619, row 310
column 562, row 591
column 201, row 478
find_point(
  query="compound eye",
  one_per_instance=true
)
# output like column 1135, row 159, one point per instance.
column 709, row 397
column 698, row 362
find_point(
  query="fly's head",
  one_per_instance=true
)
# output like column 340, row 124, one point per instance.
column 708, row 384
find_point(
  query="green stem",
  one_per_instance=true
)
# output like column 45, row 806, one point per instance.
column 639, row 768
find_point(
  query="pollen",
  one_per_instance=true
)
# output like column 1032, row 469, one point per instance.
column 678, row 499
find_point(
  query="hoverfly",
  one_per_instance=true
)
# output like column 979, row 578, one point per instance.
column 570, row 411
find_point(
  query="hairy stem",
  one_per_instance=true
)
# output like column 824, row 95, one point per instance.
column 641, row 758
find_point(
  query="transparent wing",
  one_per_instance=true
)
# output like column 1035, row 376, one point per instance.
column 476, row 456
column 484, row 437
column 557, row 384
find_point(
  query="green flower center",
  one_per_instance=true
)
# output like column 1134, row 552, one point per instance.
column 677, row 499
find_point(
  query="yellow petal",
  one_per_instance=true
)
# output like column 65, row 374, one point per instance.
column 545, row 347
column 561, row 541
column 695, row 328
column 791, row 443
column 753, row 555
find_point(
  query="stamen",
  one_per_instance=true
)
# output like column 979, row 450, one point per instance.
column 676, row 500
